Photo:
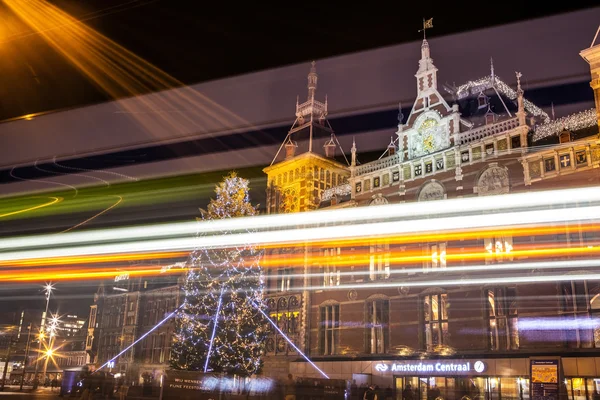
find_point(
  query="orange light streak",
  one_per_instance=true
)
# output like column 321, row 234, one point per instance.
column 396, row 258
column 81, row 273
column 123, row 74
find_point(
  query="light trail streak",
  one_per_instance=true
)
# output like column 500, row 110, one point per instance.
column 66, row 274
column 94, row 170
column 88, row 273
column 428, row 273
column 285, row 237
column 360, row 257
column 506, row 280
column 290, row 341
column 121, row 73
column 168, row 317
column 463, row 206
column 119, row 200
column 214, row 329
column 97, row 259
column 51, row 202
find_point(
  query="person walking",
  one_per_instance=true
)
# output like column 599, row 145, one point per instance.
column 123, row 389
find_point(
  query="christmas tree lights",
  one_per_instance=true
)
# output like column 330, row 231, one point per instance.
column 221, row 327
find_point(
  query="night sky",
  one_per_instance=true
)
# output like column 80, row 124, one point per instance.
column 195, row 42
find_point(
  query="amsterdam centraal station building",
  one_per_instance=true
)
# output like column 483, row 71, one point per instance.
column 481, row 138
column 516, row 341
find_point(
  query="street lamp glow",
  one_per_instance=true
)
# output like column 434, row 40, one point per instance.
column 48, row 288
column 49, row 352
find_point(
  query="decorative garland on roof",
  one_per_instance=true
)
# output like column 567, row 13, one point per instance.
column 573, row 122
column 485, row 83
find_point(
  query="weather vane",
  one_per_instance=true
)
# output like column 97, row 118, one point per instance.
column 426, row 25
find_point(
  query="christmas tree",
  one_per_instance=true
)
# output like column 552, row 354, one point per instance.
column 223, row 291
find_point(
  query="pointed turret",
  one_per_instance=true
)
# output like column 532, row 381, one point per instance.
column 427, row 72
column 520, row 101
column 312, row 80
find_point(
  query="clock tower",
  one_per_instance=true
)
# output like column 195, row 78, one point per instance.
column 432, row 122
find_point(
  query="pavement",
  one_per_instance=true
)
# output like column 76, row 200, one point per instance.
column 27, row 393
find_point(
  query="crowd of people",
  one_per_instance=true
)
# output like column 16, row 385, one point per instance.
column 100, row 384
column 370, row 392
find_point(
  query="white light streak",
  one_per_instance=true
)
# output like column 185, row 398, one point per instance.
column 540, row 265
column 464, row 282
column 290, row 341
column 461, row 206
column 140, row 338
column 273, row 237
column 214, row 330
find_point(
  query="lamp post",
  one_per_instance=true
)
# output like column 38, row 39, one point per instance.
column 26, row 356
column 47, row 290
column 52, row 333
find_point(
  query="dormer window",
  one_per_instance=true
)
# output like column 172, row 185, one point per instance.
column 490, row 118
column 482, row 100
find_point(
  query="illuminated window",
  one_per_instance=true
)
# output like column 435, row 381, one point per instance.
column 498, row 249
column 482, row 100
column 329, row 329
column 331, row 271
column 377, row 320
column 503, row 328
column 379, row 260
column 580, row 306
column 434, row 257
column 285, row 279
column 435, row 318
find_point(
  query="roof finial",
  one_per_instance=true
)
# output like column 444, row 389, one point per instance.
column 400, row 115
column 492, row 67
column 519, row 75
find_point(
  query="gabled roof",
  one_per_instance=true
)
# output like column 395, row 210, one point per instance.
column 576, row 122
column 492, row 83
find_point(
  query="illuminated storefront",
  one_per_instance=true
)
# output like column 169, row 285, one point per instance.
column 569, row 378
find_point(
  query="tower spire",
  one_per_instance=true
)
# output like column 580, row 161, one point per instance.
column 312, row 81
column 520, row 100
column 492, row 69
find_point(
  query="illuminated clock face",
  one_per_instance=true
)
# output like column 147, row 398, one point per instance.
column 428, row 138
column 428, row 143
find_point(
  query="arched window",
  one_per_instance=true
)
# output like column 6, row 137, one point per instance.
column 329, row 328
column 377, row 325
column 435, row 320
